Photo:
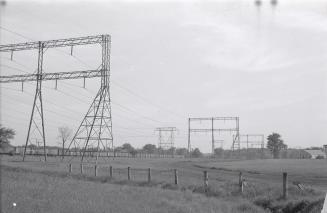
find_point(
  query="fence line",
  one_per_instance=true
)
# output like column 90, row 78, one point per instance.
column 58, row 152
column 148, row 175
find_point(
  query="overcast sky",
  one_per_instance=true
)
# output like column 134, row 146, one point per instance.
column 174, row 60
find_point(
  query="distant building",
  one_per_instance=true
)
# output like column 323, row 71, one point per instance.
column 316, row 153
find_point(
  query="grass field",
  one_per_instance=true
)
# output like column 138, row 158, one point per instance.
column 47, row 187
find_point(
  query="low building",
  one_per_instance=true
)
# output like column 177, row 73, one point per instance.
column 316, row 153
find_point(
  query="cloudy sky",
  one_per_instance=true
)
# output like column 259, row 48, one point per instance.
column 173, row 60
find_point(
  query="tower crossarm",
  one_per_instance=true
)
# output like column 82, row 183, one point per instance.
column 51, row 76
column 52, row 43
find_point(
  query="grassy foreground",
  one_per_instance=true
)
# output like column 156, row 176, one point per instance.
column 37, row 186
column 35, row 192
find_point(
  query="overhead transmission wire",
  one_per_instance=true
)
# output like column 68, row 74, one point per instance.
column 17, row 111
column 133, row 131
column 82, row 101
column 43, row 98
column 145, row 100
column 13, row 68
column 118, row 85
column 127, row 109
column 14, row 61
column 46, row 110
column 59, row 114
column 125, row 117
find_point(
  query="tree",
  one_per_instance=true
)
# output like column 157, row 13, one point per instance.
column 133, row 152
column 149, row 148
column 275, row 144
column 64, row 134
column 181, row 151
column 32, row 146
column 171, row 150
column 127, row 147
column 6, row 134
column 196, row 153
column 219, row 152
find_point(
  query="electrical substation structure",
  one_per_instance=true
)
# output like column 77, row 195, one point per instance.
column 214, row 129
column 96, row 126
column 166, row 143
column 251, row 141
column 220, row 142
column 255, row 141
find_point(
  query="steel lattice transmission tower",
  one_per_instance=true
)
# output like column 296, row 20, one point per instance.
column 96, row 127
column 166, row 142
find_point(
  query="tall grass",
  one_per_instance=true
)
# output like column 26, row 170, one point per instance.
column 35, row 192
column 260, row 193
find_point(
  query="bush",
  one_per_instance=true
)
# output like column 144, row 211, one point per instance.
column 196, row 153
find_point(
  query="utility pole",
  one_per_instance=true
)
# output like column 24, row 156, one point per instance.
column 189, row 135
column 212, row 138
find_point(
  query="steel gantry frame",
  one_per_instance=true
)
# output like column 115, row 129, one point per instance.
column 97, row 123
column 166, row 143
column 252, row 140
column 213, row 130
column 220, row 142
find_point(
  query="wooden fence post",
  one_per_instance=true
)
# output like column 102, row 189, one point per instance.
column 149, row 175
column 240, row 182
column 95, row 170
column 206, row 180
column 110, row 171
column 176, row 176
column 285, row 185
column 129, row 173
column 81, row 168
column 70, row 168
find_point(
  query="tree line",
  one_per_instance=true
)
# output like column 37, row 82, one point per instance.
column 275, row 144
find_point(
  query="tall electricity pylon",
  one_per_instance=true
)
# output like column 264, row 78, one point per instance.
column 96, row 127
column 97, row 123
column 166, row 143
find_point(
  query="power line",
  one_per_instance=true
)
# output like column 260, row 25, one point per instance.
column 15, row 33
column 13, row 68
column 47, row 110
column 145, row 100
column 130, row 110
column 117, row 84
column 120, row 128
